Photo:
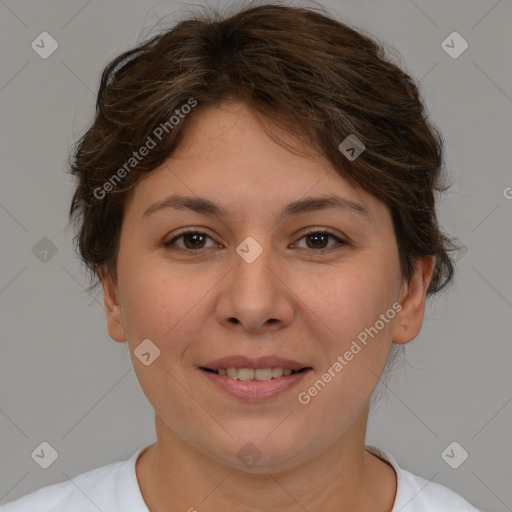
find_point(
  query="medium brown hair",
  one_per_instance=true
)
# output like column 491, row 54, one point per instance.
column 315, row 77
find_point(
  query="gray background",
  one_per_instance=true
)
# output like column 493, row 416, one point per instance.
column 64, row 381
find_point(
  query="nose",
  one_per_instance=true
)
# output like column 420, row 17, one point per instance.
column 254, row 295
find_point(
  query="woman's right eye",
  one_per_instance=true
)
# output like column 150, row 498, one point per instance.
column 192, row 239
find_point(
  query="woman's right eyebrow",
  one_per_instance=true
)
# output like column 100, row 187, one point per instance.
column 206, row 206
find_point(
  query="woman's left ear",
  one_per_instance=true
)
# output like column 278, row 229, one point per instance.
column 413, row 295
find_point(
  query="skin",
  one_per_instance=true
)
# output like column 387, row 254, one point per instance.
column 295, row 301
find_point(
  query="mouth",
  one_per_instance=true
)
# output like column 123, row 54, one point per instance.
column 254, row 379
column 258, row 374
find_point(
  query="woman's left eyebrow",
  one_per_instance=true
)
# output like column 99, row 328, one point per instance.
column 205, row 206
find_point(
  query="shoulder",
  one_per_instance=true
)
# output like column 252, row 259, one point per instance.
column 416, row 494
column 419, row 494
column 98, row 489
column 83, row 493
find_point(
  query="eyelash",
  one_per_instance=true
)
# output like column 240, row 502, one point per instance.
column 314, row 231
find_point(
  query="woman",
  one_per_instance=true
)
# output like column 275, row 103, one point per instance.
column 256, row 198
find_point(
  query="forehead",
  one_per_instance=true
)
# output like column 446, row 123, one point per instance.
column 231, row 157
column 234, row 131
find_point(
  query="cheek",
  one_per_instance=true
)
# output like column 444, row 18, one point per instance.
column 347, row 299
column 154, row 302
column 168, row 305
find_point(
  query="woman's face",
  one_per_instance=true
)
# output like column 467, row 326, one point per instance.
column 253, row 284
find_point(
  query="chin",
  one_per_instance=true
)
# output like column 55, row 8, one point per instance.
column 261, row 454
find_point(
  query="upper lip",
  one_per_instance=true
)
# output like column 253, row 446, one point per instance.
column 255, row 363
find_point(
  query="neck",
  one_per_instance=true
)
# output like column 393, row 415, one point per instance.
column 173, row 475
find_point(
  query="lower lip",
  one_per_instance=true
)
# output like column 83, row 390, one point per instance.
column 254, row 390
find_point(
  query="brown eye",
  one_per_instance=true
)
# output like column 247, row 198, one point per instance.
column 192, row 240
column 316, row 240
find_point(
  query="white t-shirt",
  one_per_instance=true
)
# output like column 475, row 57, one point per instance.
column 114, row 488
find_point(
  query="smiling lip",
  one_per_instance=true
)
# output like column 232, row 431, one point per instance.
column 257, row 362
column 253, row 390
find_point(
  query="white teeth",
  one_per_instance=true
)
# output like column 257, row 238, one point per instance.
column 245, row 374
column 277, row 372
column 232, row 372
column 260, row 374
column 263, row 374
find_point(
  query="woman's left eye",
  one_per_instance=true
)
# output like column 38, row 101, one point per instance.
column 194, row 240
column 319, row 237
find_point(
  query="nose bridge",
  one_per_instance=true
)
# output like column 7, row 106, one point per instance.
column 255, row 292
column 251, row 276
